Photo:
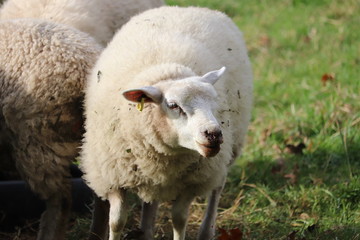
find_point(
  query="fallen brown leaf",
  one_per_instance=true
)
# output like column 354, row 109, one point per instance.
column 223, row 235
column 235, row 234
column 327, row 77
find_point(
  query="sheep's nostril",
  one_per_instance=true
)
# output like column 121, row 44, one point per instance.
column 214, row 136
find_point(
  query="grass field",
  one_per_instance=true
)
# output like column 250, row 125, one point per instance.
column 299, row 176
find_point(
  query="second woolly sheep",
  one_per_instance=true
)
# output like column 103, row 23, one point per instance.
column 43, row 69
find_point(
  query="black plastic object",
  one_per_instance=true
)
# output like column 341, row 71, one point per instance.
column 18, row 203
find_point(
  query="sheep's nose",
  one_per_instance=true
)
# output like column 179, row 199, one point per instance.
column 210, row 138
column 214, row 136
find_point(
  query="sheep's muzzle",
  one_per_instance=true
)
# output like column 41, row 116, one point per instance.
column 213, row 141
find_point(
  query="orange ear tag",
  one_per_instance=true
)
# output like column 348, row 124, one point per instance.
column 140, row 105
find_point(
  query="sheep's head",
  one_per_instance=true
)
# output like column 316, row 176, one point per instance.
column 189, row 105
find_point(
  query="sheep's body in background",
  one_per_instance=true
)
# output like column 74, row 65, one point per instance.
column 170, row 151
column 43, row 67
column 99, row 18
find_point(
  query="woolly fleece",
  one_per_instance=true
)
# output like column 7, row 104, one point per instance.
column 125, row 148
column 99, row 18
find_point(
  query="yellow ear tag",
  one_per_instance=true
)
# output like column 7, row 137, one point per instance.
column 140, row 105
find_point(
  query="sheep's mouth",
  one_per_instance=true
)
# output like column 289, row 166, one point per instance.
column 209, row 150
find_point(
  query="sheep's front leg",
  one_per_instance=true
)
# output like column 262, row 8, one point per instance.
column 117, row 214
column 148, row 219
column 180, row 212
column 207, row 229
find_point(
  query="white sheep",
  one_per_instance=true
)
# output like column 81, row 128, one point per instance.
column 162, row 60
column 43, row 67
column 99, row 18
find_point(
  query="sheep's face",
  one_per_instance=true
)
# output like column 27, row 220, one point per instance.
column 189, row 105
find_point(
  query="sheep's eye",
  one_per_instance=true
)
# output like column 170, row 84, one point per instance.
column 172, row 105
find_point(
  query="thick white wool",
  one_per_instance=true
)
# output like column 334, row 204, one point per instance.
column 124, row 148
column 99, row 18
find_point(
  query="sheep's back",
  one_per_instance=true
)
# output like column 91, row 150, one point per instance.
column 43, row 67
column 43, row 61
column 100, row 19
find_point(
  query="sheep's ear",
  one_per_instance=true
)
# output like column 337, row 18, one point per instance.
column 213, row 76
column 148, row 94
